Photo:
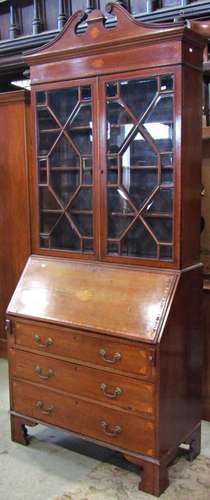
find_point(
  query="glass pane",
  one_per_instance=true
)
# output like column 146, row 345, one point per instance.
column 84, row 223
column 86, row 93
column 139, row 153
column 138, row 94
column 117, row 201
column 64, row 236
column 41, row 98
column 83, row 200
column 112, row 177
column 119, row 125
column 112, row 161
column 87, row 177
column 159, row 123
column 44, row 242
column 48, row 221
column 48, row 131
column 62, row 103
column 162, row 229
column 139, row 184
column 88, row 246
column 117, row 225
column 166, row 252
column 64, row 155
column 42, row 171
column 46, row 121
column 64, row 184
column 46, row 200
column 166, row 159
column 113, row 248
column 166, row 83
column 64, row 169
column 167, row 176
column 111, row 89
column 80, row 129
column 139, row 243
column 162, row 202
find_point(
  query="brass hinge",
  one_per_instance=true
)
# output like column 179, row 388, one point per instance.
column 152, row 358
column 8, row 327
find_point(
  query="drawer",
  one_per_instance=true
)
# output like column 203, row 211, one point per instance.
column 86, row 347
column 109, row 425
column 127, row 393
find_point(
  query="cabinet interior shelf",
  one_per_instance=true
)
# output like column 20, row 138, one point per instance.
column 71, row 211
column 151, row 215
column 142, row 167
column 53, row 130
column 65, row 169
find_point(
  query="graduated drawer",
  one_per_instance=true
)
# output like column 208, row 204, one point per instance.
column 87, row 347
column 89, row 419
column 128, row 393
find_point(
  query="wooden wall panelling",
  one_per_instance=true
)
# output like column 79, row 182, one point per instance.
column 14, row 203
column 206, row 359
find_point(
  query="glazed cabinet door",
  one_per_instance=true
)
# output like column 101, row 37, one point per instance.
column 65, row 169
column 138, row 178
column 123, row 129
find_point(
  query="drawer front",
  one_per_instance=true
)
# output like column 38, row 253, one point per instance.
column 87, row 347
column 89, row 419
column 130, row 394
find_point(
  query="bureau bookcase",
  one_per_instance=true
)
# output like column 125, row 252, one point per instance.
column 104, row 325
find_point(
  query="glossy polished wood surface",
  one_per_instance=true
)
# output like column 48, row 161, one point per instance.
column 102, row 351
column 108, row 388
column 14, row 209
column 206, row 361
column 104, row 424
column 126, row 302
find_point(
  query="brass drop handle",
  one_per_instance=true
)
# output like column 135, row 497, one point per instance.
column 48, row 411
column 48, row 342
column 38, row 371
column 111, row 430
column 115, row 358
column 112, row 395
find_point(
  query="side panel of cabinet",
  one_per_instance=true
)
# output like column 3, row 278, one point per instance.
column 206, row 360
column 181, row 350
column 14, row 199
column 191, row 172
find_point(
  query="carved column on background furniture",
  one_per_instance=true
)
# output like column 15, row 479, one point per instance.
column 126, row 4
column 36, row 19
column 150, row 6
column 62, row 18
column 184, row 3
column 14, row 25
column 89, row 5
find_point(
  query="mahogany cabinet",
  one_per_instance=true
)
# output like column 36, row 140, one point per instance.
column 104, row 326
column 14, row 202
